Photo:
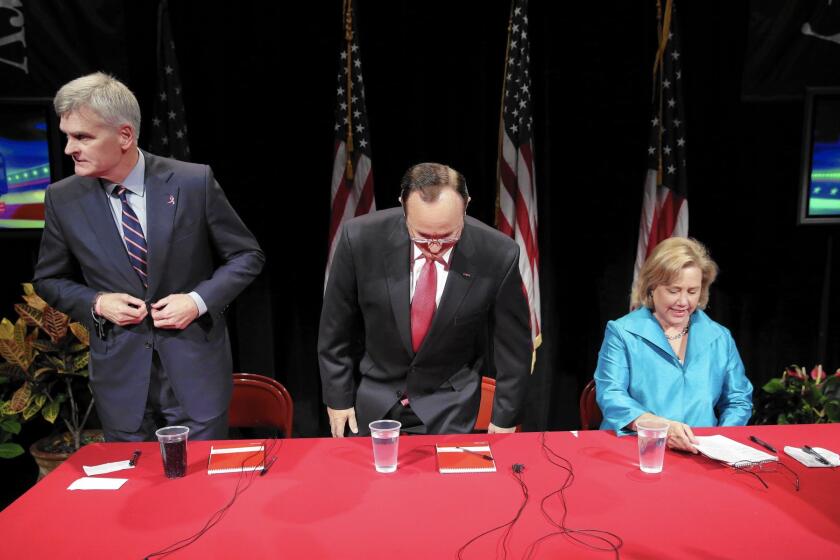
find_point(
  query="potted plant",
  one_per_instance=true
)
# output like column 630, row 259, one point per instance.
column 799, row 398
column 9, row 427
column 44, row 373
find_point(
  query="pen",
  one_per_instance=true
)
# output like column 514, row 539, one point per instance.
column 268, row 466
column 763, row 444
column 134, row 457
column 820, row 458
column 482, row 455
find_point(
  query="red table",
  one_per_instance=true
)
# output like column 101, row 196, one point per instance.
column 323, row 499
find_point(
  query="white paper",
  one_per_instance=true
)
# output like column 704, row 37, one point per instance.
column 809, row 460
column 225, row 450
column 575, row 433
column 90, row 483
column 107, row 467
column 721, row 448
column 465, row 448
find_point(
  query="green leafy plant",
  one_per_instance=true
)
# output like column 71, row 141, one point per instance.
column 44, row 371
column 799, row 398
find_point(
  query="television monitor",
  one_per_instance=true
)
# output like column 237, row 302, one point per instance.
column 30, row 159
column 819, row 192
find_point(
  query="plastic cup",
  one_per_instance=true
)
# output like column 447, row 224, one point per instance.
column 652, row 437
column 173, row 450
column 385, row 435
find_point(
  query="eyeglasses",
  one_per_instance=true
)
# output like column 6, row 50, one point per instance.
column 440, row 241
column 754, row 467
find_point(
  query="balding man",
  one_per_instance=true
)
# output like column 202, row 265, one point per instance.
column 420, row 301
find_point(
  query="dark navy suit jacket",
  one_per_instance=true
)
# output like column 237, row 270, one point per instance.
column 196, row 242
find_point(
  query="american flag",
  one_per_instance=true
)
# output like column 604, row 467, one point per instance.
column 516, row 214
column 169, row 124
column 352, row 177
column 665, row 203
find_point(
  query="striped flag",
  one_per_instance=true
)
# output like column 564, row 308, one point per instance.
column 169, row 123
column 516, row 213
column 665, row 203
column 352, row 177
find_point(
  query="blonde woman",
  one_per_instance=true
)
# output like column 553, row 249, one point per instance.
column 666, row 359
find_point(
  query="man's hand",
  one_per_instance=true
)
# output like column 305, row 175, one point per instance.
column 494, row 429
column 339, row 418
column 121, row 309
column 175, row 311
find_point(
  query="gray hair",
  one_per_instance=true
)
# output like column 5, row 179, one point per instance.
column 104, row 95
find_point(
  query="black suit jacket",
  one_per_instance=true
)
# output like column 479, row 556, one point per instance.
column 366, row 327
column 196, row 242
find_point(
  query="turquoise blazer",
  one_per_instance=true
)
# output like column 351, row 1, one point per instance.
column 638, row 372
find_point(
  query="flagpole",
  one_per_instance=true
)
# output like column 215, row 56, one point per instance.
column 348, row 37
column 663, row 25
column 664, row 28
column 159, row 29
column 502, row 118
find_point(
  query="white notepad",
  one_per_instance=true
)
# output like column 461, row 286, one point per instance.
column 810, row 461
column 721, row 448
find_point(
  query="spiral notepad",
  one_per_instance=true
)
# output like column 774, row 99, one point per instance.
column 236, row 458
column 468, row 457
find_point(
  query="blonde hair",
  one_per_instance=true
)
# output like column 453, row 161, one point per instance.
column 104, row 95
column 666, row 262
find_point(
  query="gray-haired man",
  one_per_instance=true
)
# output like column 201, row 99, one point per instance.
column 130, row 248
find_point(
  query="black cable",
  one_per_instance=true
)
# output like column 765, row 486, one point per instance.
column 219, row 514
column 516, row 470
column 612, row 541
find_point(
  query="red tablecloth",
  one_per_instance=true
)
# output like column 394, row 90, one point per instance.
column 323, row 499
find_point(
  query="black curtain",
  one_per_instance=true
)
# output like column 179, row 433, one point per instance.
column 259, row 91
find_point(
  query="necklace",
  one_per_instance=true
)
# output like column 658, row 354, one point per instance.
column 679, row 335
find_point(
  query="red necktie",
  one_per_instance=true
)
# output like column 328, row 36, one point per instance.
column 423, row 304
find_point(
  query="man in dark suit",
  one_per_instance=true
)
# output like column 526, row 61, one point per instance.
column 148, row 253
column 420, row 302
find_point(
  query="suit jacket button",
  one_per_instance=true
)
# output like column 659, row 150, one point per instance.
column 147, row 345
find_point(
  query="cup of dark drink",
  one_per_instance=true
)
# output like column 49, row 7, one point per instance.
column 173, row 450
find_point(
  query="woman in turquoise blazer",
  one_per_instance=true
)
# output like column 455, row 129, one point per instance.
column 667, row 360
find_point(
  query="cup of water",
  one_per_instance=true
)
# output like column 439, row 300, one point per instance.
column 385, row 435
column 652, row 436
column 173, row 450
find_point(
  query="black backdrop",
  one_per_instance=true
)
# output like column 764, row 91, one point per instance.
column 259, row 84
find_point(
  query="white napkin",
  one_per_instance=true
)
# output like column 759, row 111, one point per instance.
column 809, row 460
column 90, row 483
column 107, row 467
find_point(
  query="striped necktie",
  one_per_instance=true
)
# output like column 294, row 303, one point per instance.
column 135, row 242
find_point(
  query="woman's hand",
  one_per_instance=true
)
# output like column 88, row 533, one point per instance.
column 680, row 436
